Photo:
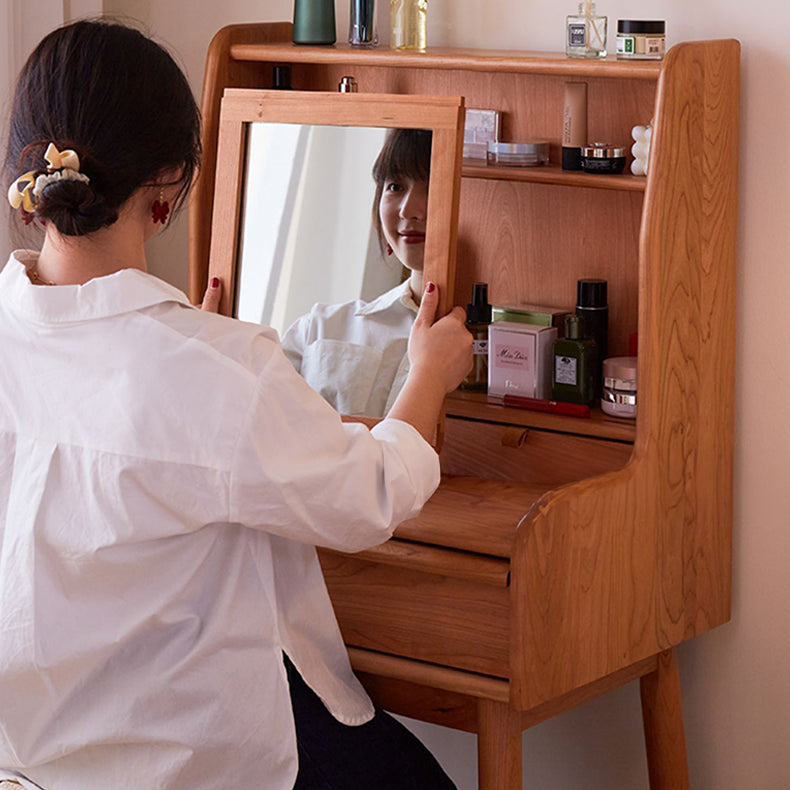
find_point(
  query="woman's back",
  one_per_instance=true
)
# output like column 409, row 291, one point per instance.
column 139, row 435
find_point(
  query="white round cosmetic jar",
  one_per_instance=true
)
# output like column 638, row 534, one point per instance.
column 619, row 387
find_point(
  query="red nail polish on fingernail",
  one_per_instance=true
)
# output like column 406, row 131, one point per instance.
column 430, row 288
column 215, row 282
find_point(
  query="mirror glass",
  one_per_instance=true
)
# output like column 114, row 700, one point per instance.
column 307, row 234
column 313, row 264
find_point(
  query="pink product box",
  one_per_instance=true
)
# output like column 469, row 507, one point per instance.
column 519, row 359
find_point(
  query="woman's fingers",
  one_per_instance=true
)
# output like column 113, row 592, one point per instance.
column 212, row 296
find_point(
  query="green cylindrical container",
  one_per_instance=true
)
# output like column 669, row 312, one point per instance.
column 314, row 22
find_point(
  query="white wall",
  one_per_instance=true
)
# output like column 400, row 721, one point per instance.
column 735, row 683
column 23, row 23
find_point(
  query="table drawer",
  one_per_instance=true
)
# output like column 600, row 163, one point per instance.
column 447, row 607
column 509, row 452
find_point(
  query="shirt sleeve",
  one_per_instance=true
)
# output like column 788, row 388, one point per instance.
column 298, row 471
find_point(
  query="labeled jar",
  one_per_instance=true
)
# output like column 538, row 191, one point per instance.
column 603, row 158
column 619, row 387
column 641, row 39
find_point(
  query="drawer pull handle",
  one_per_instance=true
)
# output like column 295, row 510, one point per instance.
column 514, row 436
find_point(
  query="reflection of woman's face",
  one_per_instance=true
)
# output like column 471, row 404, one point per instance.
column 403, row 210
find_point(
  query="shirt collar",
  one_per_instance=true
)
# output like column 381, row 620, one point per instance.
column 121, row 292
column 400, row 293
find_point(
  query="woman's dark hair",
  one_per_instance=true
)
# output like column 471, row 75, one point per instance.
column 406, row 153
column 119, row 100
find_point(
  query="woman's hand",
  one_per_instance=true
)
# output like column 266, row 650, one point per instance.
column 443, row 347
column 212, row 296
column 440, row 355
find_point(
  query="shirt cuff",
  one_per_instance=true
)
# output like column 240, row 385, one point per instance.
column 420, row 458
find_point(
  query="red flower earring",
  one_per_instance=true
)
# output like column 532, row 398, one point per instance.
column 161, row 209
column 389, row 249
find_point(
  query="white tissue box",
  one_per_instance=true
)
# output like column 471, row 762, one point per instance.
column 481, row 127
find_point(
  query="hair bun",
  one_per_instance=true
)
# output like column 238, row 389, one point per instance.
column 74, row 207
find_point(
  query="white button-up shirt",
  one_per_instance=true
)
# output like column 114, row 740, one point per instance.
column 164, row 475
column 354, row 353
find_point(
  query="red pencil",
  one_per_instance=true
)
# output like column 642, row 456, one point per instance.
column 552, row 406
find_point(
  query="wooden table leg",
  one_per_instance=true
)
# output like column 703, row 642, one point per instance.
column 498, row 746
column 662, row 715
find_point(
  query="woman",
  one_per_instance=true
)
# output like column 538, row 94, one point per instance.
column 166, row 475
column 354, row 353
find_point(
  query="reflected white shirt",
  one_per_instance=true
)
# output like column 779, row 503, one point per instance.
column 164, row 474
column 354, row 354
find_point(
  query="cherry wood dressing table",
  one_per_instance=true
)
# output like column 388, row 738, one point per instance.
column 560, row 557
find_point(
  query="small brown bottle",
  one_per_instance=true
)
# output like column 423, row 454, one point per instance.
column 478, row 317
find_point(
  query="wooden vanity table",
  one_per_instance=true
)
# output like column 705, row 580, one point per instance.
column 560, row 557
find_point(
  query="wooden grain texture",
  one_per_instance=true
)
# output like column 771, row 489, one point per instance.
column 478, row 406
column 530, row 103
column 662, row 716
column 613, row 569
column 439, row 58
column 532, row 242
column 473, row 514
column 453, row 564
column 498, row 746
column 436, row 677
column 226, row 217
column 552, row 174
column 450, row 697
column 424, row 615
column 539, row 457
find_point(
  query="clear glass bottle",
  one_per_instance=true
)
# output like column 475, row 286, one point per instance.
column 362, row 24
column 409, row 24
column 585, row 35
column 573, row 369
column 478, row 317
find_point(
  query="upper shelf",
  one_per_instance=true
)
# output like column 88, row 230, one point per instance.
column 554, row 63
column 551, row 174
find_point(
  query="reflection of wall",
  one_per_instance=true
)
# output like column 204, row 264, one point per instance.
column 274, row 165
column 307, row 234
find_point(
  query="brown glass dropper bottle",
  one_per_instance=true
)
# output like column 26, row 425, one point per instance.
column 478, row 317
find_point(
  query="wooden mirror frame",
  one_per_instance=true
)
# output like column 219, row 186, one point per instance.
column 443, row 115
